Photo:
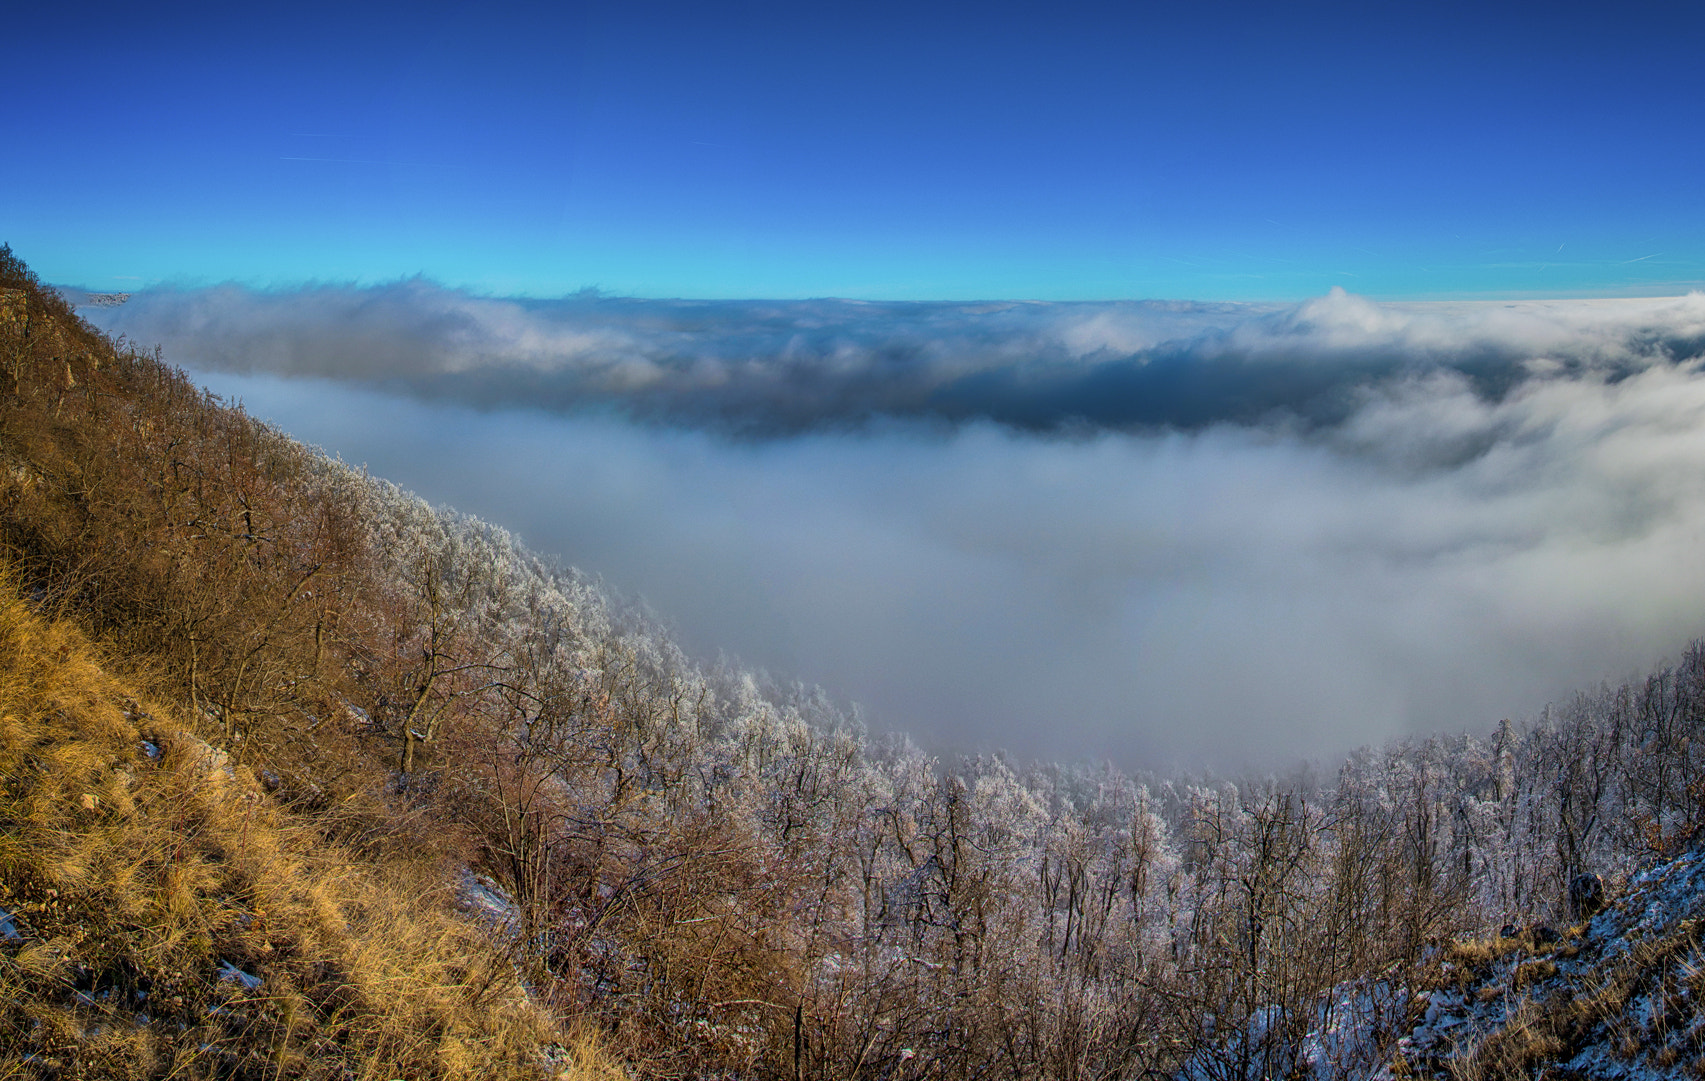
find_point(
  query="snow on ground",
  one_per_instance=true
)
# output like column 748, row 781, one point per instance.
column 1619, row 999
column 1616, row 999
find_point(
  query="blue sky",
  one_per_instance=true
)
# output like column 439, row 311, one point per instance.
column 904, row 151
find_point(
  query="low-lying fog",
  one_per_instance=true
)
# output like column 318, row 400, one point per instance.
column 1156, row 533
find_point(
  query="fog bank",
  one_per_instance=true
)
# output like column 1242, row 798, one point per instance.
column 1150, row 532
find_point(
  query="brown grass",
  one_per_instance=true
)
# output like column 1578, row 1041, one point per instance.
column 138, row 879
column 1551, row 1028
column 1531, row 972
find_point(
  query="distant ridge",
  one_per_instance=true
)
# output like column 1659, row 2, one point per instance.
column 83, row 298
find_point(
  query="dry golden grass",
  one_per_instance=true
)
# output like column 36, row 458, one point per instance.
column 1549, row 1028
column 1483, row 951
column 1531, row 972
column 138, row 871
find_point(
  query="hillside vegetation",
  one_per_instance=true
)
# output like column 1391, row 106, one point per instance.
column 162, row 918
column 451, row 806
column 163, row 912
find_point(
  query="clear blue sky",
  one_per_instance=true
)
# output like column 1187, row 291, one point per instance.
column 913, row 150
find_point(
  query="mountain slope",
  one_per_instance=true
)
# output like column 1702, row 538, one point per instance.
column 725, row 876
column 161, row 916
column 1618, row 997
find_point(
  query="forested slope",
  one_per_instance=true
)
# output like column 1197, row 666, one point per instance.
column 724, row 876
column 172, row 908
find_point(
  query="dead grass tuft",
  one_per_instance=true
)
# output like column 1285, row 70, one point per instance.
column 176, row 922
column 1530, row 972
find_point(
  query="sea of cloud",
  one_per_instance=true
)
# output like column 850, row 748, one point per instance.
column 1152, row 532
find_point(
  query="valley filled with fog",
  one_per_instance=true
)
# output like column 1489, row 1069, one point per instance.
column 1156, row 533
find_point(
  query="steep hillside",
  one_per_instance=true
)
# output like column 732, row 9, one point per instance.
column 1617, row 997
column 168, row 907
column 366, row 709
column 1613, row 998
column 161, row 916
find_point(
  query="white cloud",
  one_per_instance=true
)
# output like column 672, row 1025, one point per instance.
column 1507, row 503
